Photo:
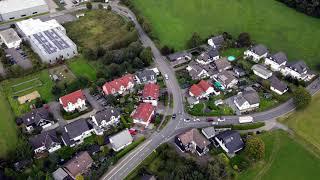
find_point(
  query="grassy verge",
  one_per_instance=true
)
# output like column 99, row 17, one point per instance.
column 280, row 29
column 129, row 148
column 165, row 121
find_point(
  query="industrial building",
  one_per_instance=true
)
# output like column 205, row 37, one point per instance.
column 10, row 38
column 48, row 39
column 15, row 9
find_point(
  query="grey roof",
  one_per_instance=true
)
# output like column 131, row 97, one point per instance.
column 218, row 40
column 106, row 114
column 213, row 52
column 59, row 174
column 121, row 139
column 35, row 116
column 209, row 132
column 232, row 140
column 226, row 77
column 76, row 128
column 191, row 100
column 251, row 95
column 298, row 66
column 240, row 99
column 239, row 71
column 196, row 68
column 44, row 139
column 279, row 57
column 204, row 57
column 261, row 69
column 175, row 56
column 277, row 84
column 222, row 64
column 259, row 49
column 146, row 75
column 9, row 35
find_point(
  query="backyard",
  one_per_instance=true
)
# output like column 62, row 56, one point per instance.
column 285, row 158
column 97, row 28
column 281, row 29
column 14, row 88
column 81, row 67
column 8, row 130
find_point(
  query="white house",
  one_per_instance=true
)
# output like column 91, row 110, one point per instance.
column 121, row 140
column 247, row 100
column 150, row 94
column 202, row 90
column 119, row 86
column 278, row 86
column 216, row 41
column 45, row 142
column 256, row 52
column 10, row 38
column 143, row 114
column 208, row 57
column 298, row 70
column 73, row 101
column 261, row 71
column 106, row 117
column 275, row 61
column 75, row 132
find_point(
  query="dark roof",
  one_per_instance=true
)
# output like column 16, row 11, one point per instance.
column 76, row 128
column 44, row 139
column 239, row 71
column 222, row 63
column 279, row 57
column 35, row 116
column 259, row 49
column 106, row 114
column 218, row 40
column 146, row 75
column 174, row 56
column 213, row 52
column 231, row 139
column 251, row 95
column 298, row 66
column 277, row 84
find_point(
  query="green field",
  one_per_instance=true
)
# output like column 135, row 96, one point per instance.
column 8, row 131
column 44, row 90
column 306, row 123
column 81, row 67
column 268, row 21
column 285, row 158
column 97, row 28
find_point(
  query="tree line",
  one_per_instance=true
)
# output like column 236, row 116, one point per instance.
column 309, row 7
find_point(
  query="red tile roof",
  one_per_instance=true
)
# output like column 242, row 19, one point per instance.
column 72, row 98
column 200, row 88
column 117, row 83
column 151, row 90
column 143, row 112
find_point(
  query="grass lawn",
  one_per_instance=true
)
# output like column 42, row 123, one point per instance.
column 81, row 67
column 98, row 27
column 306, row 123
column 64, row 75
column 269, row 22
column 44, row 90
column 8, row 130
column 285, row 158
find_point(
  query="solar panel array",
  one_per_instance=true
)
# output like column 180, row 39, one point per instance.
column 51, row 41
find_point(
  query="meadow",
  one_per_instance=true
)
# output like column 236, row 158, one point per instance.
column 267, row 21
column 81, row 67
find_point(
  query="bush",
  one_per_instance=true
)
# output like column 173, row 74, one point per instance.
column 255, row 148
column 301, row 98
column 247, row 126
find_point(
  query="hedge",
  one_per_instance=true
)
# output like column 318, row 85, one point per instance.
column 247, row 126
column 129, row 148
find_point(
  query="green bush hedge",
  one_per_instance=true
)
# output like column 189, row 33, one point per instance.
column 247, row 126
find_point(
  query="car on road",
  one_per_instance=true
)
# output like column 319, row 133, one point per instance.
column 221, row 119
column 186, row 120
column 174, row 116
column 215, row 123
column 166, row 76
column 210, row 119
column 197, row 119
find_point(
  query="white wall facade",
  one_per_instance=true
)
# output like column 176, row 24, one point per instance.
column 255, row 57
column 273, row 65
column 277, row 91
column 13, row 15
column 72, row 107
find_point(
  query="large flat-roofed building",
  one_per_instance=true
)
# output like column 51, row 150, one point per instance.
column 15, row 9
column 10, row 38
column 48, row 39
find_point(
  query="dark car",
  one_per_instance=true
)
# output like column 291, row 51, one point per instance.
column 210, row 119
column 174, row 116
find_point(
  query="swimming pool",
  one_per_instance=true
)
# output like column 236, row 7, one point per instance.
column 231, row 58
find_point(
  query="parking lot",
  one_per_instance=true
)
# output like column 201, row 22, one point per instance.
column 17, row 56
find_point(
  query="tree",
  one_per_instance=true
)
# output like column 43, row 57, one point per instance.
column 244, row 40
column 165, row 50
column 109, row 8
column 301, row 98
column 146, row 26
column 79, row 177
column 56, row 90
column 137, row 63
column 194, row 41
column 89, row 5
column 266, row 84
column 100, row 6
column 255, row 148
column 217, row 169
column 146, row 56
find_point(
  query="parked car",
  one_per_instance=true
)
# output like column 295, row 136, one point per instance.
column 132, row 131
column 221, row 119
column 197, row 119
column 210, row 119
column 186, row 120
column 166, row 76
column 174, row 116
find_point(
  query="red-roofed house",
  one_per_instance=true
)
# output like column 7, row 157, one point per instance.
column 201, row 90
column 143, row 114
column 150, row 93
column 73, row 101
column 119, row 86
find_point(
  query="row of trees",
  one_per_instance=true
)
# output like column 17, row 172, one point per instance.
column 309, row 7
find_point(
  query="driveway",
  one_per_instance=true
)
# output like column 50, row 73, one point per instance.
column 55, row 110
column 94, row 103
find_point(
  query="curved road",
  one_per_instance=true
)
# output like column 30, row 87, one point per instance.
column 176, row 126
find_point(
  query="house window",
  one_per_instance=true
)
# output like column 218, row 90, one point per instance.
column 35, row 12
column 11, row 18
column 23, row 15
